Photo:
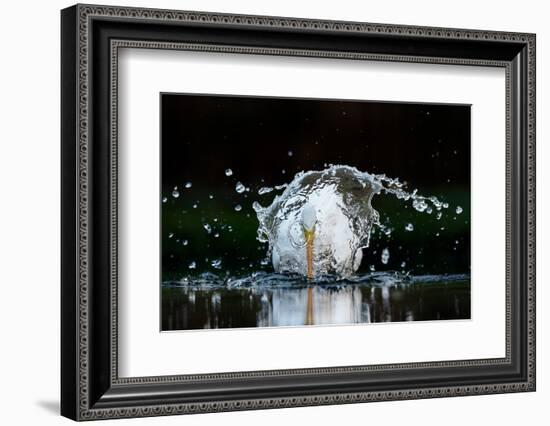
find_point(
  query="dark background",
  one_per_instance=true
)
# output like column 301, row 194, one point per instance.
column 425, row 145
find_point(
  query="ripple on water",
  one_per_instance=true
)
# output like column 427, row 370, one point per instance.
column 209, row 280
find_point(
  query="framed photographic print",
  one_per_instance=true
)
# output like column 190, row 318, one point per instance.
column 263, row 212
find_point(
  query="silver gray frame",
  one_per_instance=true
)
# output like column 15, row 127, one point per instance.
column 88, row 402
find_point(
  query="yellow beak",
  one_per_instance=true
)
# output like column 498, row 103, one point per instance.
column 310, row 235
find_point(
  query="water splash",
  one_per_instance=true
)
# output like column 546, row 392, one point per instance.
column 265, row 280
column 240, row 188
column 344, row 218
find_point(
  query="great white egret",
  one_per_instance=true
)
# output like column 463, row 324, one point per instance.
column 320, row 223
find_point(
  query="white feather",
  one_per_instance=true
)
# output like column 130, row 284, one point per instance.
column 309, row 217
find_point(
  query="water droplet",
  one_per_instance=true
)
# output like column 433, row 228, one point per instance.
column 403, row 264
column 385, row 257
column 228, row 172
column 240, row 188
column 238, row 208
column 264, row 262
column 409, row 227
column 459, row 210
column 185, row 242
column 207, row 227
column 194, row 206
column 264, row 190
column 420, row 205
column 216, row 235
column 188, row 185
column 164, row 199
column 438, row 216
column 175, row 192
column 192, row 265
column 290, row 153
column 217, row 263
column 372, row 268
column 170, row 235
column 210, row 196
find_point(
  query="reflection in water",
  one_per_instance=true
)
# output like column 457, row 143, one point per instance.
column 202, row 307
column 313, row 306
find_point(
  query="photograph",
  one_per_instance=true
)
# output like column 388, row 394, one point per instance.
column 298, row 211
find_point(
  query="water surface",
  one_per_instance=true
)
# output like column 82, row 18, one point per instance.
column 275, row 300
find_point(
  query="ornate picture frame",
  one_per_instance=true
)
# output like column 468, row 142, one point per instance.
column 91, row 37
